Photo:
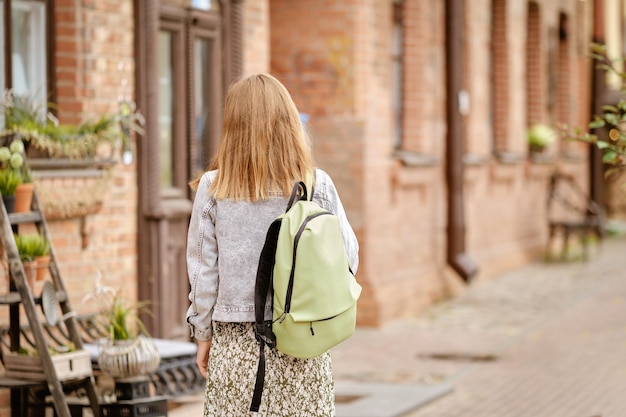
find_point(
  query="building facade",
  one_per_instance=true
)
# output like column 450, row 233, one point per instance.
column 418, row 109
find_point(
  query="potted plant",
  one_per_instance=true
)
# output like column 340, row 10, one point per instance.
column 9, row 180
column 12, row 156
column 127, row 350
column 14, row 169
column 34, row 252
column 37, row 126
column 540, row 136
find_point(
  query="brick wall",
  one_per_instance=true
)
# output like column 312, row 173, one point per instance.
column 94, row 66
column 95, row 43
column 256, row 32
column 339, row 70
column 506, row 202
column 95, row 69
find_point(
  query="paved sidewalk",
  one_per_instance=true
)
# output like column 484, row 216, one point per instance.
column 547, row 340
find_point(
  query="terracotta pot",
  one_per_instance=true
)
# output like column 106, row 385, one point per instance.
column 24, row 197
column 42, row 267
column 30, row 269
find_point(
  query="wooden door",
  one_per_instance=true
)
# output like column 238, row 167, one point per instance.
column 181, row 71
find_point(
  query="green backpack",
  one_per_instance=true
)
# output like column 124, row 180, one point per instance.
column 315, row 293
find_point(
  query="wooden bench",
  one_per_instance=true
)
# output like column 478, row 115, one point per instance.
column 572, row 213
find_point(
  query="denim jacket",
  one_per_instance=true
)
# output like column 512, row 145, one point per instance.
column 223, row 248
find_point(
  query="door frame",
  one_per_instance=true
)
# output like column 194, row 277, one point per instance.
column 160, row 210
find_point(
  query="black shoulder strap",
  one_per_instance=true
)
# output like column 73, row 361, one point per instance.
column 299, row 192
column 263, row 330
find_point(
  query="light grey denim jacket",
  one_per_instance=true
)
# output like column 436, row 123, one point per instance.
column 223, row 248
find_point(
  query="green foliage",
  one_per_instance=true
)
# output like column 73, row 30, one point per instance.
column 612, row 119
column 119, row 317
column 9, row 180
column 36, row 125
column 31, row 245
column 122, row 321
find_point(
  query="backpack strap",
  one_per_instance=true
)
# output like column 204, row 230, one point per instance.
column 302, row 190
column 263, row 329
column 309, row 181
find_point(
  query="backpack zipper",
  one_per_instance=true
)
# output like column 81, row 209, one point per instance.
column 311, row 323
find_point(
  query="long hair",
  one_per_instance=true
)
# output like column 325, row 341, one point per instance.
column 264, row 147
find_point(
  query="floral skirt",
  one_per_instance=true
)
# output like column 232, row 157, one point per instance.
column 293, row 387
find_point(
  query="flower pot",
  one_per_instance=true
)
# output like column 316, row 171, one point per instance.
column 30, row 269
column 24, row 197
column 42, row 267
column 9, row 203
column 128, row 358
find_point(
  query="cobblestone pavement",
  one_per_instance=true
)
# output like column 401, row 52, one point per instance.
column 547, row 340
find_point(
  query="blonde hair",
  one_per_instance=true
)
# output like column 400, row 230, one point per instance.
column 264, row 147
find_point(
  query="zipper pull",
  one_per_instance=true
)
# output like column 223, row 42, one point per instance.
column 282, row 318
column 311, row 327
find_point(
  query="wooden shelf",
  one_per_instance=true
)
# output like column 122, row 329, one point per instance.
column 28, row 217
column 14, row 298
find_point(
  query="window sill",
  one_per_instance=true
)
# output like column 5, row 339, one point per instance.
column 573, row 157
column 414, row 159
column 474, row 160
column 509, row 158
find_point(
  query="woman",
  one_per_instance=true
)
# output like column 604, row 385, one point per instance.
column 262, row 152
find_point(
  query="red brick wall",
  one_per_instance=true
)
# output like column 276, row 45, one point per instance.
column 338, row 67
column 505, row 202
column 95, row 44
column 256, row 32
column 94, row 66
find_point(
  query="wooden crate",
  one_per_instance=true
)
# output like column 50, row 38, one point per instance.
column 71, row 365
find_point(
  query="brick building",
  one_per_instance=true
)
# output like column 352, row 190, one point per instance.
column 418, row 109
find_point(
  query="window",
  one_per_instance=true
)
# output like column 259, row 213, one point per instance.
column 206, row 104
column 190, row 94
column 26, row 54
column 166, row 107
column 500, row 75
column 397, row 51
column 205, row 4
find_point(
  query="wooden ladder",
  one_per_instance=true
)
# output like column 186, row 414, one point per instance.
column 21, row 294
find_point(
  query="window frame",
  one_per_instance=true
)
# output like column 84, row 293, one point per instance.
column 48, row 44
column 179, row 183
column 206, row 27
column 190, row 24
